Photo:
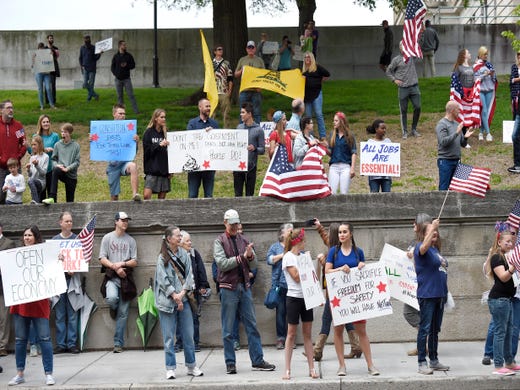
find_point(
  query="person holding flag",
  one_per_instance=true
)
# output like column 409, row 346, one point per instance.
column 485, row 72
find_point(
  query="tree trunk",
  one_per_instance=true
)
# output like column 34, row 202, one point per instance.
column 306, row 9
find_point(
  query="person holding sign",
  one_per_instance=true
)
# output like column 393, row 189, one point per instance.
column 432, row 292
column 376, row 183
column 155, row 159
column 342, row 258
column 36, row 313
column 43, row 80
column 294, row 245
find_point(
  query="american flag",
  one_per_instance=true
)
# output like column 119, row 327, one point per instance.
column 470, row 180
column 469, row 106
column 415, row 11
column 19, row 133
column 307, row 182
column 86, row 236
column 514, row 257
column 514, row 216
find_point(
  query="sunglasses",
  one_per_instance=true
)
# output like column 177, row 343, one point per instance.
column 219, row 48
column 250, row 47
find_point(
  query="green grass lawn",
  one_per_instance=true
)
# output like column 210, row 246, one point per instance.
column 361, row 100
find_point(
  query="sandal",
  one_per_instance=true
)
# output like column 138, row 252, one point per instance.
column 287, row 375
column 313, row 374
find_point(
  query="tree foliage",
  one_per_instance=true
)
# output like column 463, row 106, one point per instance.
column 515, row 42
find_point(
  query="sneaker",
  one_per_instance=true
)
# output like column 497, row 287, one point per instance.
column 48, row 201
column 118, row 349
column 412, row 352
column 113, row 313
column 136, row 198
column 438, row 366
column 3, row 352
column 33, row 202
column 342, row 371
column 33, row 351
column 486, row 360
column 197, row 348
column 74, row 350
column 481, row 137
column 415, row 133
column 16, row 380
column 373, row 371
column 264, row 366
column 170, row 374
column 489, row 137
column 231, row 369
column 49, row 380
column 195, row 371
column 514, row 367
column 468, row 146
column 280, row 344
column 59, row 350
column 514, row 169
column 502, row 371
column 236, row 346
column 405, row 134
column 424, row 369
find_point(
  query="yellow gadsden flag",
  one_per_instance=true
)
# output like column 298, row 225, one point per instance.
column 210, row 84
column 285, row 82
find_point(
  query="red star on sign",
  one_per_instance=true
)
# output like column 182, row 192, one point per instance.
column 335, row 302
column 242, row 165
column 206, row 164
column 130, row 126
column 94, row 137
column 381, row 287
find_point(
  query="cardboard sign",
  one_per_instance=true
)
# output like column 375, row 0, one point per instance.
column 380, row 159
column 213, row 150
column 268, row 128
column 402, row 279
column 270, row 47
column 31, row 273
column 102, row 46
column 113, row 140
column 311, row 287
column 42, row 61
column 72, row 253
column 359, row 294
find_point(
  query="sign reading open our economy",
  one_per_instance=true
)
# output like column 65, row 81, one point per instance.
column 113, row 140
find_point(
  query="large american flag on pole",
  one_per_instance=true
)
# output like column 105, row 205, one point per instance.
column 469, row 104
column 414, row 15
column 470, row 180
column 514, row 216
column 307, row 182
column 86, row 236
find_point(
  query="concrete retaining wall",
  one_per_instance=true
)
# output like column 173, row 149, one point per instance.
column 466, row 229
column 347, row 52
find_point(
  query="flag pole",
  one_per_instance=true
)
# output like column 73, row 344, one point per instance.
column 443, row 203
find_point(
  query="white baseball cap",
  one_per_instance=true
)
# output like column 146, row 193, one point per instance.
column 231, row 216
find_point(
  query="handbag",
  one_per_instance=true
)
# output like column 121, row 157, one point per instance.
column 272, row 297
column 189, row 293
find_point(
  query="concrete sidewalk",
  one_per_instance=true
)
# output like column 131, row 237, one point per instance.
column 135, row 369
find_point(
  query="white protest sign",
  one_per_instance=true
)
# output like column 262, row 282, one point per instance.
column 507, row 131
column 72, row 253
column 402, row 279
column 312, row 291
column 358, row 295
column 102, row 46
column 213, row 150
column 270, row 47
column 42, row 61
column 31, row 273
column 298, row 54
column 380, row 159
column 268, row 128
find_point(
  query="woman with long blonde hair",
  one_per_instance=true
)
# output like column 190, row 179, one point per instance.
column 155, row 160
column 37, row 169
column 314, row 75
column 343, row 153
column 485, row 71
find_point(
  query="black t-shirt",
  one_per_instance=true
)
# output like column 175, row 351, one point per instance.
column 313, row 83
column 501, row 289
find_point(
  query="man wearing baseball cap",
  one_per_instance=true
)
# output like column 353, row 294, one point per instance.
column 235, row 258
column 118, row 258
column 252, row 95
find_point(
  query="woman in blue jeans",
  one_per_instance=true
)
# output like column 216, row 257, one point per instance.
column 43, row 80
column 485, row 72
column 379, row 183
column 500, row 303
column 314, row 75
column 432, row 291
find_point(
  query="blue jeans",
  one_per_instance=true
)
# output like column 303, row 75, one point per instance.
column 446, row 171
column 43, row 80
column 255, row 98
column 89, row 78
column 127, row 85
column 501, row 310
column 516, row 141
column 488, row 347
column 168, row 328
column 385, row 185
column 196, row 333
column 233, row 301
column 281, row 316
column 487, row 100
column 431, row 312
column 516, row 326
column 66, row 323
column 195, row 179
column 316, row 107
column 36, row 189
column 115, row 302
column 114, row 172
column 41, row 325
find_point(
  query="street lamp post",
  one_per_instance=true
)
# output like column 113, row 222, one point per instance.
column 155, row 56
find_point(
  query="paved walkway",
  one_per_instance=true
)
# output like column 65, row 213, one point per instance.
column 135, row 369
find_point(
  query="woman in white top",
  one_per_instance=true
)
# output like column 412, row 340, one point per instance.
column 294, row 245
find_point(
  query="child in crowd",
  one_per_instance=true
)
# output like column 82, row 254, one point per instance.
column 14, row 184
column 37, row 169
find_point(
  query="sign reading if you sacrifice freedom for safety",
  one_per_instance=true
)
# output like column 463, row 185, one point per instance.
column 31, row 273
